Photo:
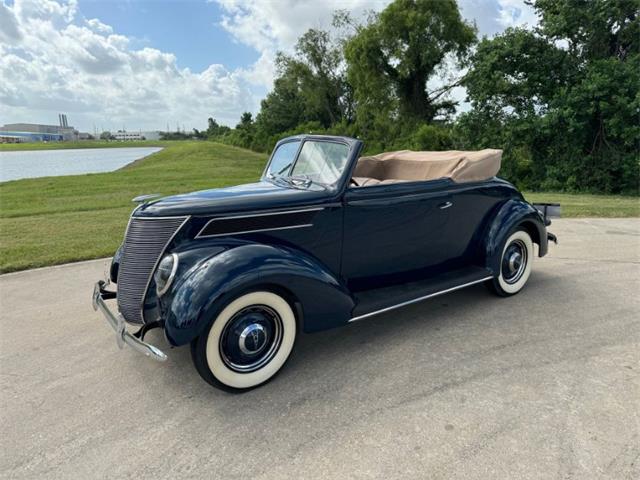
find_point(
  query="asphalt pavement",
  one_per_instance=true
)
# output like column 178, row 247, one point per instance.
column 545, row 384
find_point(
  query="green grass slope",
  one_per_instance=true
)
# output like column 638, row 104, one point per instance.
column 53, row 220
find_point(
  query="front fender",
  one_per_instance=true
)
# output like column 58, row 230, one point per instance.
column 511, row 214
column 209, row 285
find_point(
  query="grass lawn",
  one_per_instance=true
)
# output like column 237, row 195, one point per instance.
column 53, row 220
column 579, row 205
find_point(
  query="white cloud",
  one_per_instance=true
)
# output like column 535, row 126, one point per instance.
column 9, row 31
column 99, row 27
column 53, row 61
column 271, row 25
column 515, row 13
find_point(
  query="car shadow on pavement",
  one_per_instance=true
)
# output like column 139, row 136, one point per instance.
column 333, row 363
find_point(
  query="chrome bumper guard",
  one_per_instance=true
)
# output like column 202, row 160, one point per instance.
column 100, row 294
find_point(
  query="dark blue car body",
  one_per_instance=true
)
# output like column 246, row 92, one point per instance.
column 337, row 254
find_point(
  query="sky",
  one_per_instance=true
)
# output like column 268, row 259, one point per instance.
column 158, row 64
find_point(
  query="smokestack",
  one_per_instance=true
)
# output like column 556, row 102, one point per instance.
column 64, row 120
column 60, row 120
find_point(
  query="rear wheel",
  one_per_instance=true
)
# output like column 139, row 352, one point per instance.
column 248, row 342
column 515, row 264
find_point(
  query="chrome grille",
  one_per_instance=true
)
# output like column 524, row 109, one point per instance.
column 144, row 242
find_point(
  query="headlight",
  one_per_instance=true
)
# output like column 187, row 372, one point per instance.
column 165, row 272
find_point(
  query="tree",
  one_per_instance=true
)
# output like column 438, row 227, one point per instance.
column 245, row 131
column 562, row 100
column 214, row 130
column 246, row 121
column 212, row 127
column 106, row 136
column 310, row 87
column 593, row 29
column 282, row 109
column 394, row 56
column 317, row 67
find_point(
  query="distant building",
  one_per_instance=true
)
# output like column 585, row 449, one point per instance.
column 128, row 136
column 152, row 135
column 9, row 138
column 33, row 132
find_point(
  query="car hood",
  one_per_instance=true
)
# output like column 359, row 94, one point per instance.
column 248, row 197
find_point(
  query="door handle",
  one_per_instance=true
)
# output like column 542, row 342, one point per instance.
column 444, row 205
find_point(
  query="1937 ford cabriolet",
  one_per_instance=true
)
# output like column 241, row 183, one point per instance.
column 325, row 238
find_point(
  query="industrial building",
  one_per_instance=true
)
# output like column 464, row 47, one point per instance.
column 123, row 135
column 33, row 132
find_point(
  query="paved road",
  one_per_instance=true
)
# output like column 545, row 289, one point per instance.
column 542, row 385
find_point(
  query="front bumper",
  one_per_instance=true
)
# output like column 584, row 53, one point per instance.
column 100, row 294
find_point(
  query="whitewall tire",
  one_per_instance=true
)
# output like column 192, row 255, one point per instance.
column 515, row 264
column 248, row 342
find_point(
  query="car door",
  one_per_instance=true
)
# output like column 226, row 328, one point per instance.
column 394, row 232
column 472, row 205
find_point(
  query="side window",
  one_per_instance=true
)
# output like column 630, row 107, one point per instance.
column 283, row 158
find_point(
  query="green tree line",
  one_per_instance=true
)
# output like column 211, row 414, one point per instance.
column 562, row 100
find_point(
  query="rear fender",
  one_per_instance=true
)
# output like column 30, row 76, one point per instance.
column 513, row 213
column 322, row 300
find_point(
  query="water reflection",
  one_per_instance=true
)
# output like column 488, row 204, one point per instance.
column 45, row 163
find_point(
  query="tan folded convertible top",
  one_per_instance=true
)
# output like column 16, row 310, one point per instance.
column 408, row 165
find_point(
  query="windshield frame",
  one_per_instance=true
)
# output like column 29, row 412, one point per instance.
column 334, row 186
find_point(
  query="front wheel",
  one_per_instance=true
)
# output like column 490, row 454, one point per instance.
column 515, row 264
column 247, row 343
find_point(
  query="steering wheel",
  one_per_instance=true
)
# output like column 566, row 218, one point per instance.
column 354, row 182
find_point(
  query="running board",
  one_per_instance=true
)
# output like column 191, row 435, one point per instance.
column 369, row 303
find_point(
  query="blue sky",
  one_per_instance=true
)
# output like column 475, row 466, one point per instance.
column 190, row 29
column 148, row 64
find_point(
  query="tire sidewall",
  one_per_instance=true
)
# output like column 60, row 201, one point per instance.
column 217, row 372
column 513, row 288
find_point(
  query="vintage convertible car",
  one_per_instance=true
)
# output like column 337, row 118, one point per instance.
column 325, row 238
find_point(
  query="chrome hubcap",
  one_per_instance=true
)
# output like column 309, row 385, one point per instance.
column 251, row 338
column 514, row 261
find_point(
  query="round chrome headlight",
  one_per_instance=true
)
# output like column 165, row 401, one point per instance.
column 165, row 273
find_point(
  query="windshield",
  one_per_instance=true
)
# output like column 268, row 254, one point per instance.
column 319, row 162
column 283, row 158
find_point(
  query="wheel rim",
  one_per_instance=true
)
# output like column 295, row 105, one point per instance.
column 251, row 338
column 514, row 261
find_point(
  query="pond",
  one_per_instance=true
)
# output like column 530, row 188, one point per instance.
column 45, row 163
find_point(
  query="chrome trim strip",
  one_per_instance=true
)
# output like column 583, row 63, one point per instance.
column 142, row 217
column 254, row 231
column 162, row 253
column 251, row 215
column 419, row 299
column 265, row 214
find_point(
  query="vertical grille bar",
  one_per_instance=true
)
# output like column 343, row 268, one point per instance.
column 144, row 242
